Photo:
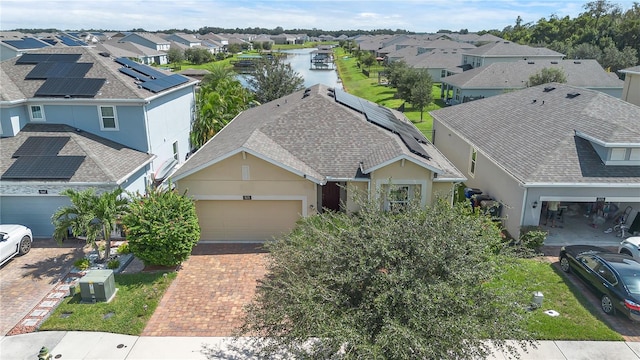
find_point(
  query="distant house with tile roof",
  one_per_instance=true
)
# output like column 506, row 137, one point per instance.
column 552, row 142
column 310, row 151
column 631, row 92
column 498, row 78
column 130, row 128
column 507, row 51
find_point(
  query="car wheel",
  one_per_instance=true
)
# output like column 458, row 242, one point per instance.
column 25, row 245
column 564, row 264
column 607, row 305
column 626, row 252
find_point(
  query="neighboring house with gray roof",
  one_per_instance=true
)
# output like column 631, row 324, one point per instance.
column 141, row 54
column 303, row 153
column 507, row 51
column 552, row 142
column 14, row 44
column 97, row 94
column 498, row 78
column 631, row 92
column 439, row 64
column 189, row 40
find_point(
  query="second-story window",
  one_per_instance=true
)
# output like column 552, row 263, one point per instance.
column 108, row 118
column 472, row 161
column 36, row 112
column 176, row 154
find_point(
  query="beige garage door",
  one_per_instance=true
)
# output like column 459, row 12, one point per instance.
column 240, row 220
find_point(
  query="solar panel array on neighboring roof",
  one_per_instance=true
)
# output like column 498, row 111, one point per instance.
column 37, row 58
column 48, row 69
column 26, row 43
column 72, row 87
column 43, row 167
column 384, row 118
column 69, row 41
column 150, row 78
column 41, row 146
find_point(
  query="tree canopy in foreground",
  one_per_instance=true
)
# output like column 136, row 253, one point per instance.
column 387, row 285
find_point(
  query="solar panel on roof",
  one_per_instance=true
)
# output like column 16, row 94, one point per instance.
column 69, row 41
column 48, row 69
column 134, row 74
column 126, row 62
column 385, row 118
column 26, row 43
column 44, row 167
column 75, row 87
column 41, row 146
column 161, row 84
column 50, row 41
column 37, row 58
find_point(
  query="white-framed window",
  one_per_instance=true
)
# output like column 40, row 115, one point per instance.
column 473, row 157
column 634, row 154
column 108, row 118
column 443, row 73
column 36, row 112
column 618, row 154
column 176, row 154
column 398, row 196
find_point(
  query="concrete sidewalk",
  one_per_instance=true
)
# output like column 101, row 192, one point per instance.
column 73, row 345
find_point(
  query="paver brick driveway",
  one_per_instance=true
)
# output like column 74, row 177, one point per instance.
column 26, row 280
column 207, row 296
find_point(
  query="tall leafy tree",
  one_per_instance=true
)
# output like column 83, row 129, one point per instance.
column 408, row 284
column 90, row 214
column 273, row 79
column 175, row 56
column 420, row 92
column 547, row 75
column 220, row 99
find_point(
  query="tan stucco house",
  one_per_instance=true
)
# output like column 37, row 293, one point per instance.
column 310, row 151
column 552, row 142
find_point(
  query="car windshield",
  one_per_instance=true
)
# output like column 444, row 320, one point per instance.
column 633, row 283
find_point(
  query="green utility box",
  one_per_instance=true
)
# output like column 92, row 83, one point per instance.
column 97, row 285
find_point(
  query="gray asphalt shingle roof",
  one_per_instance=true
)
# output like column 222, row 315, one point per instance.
column 118, row 85
column 312, row 135
column 515, row 75
column 104, row 161
column 508, row 48
column 531, row 133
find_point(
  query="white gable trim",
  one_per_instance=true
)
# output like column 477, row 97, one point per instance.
column 403, row 157
column 256, row 154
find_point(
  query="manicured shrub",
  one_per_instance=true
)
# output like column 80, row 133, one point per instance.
column 124, row 249
column 162, row 227
column 113, row 264
column 82, row 264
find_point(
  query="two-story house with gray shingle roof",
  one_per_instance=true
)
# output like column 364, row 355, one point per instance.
column 552, row 142
column 498, row 78
column 506, row 51
column 131, row 125
column 308, row 151
column 189, row 40
column 152, row 41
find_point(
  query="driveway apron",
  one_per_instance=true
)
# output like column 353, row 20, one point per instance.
column 207, row 296
column 26, row 280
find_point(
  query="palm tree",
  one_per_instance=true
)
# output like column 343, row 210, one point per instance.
column 90, row 215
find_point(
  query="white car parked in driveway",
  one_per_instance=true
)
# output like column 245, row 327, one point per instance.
column 14, row 240
column 630, row 246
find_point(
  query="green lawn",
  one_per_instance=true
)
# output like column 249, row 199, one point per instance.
column 358, row 84
column 125, row 314
column 578, row 320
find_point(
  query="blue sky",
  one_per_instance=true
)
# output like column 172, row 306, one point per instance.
column 412, row 15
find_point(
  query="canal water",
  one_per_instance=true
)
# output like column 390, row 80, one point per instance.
column 300, row 60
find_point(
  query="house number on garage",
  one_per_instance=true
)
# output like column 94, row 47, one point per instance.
column 246, row 197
